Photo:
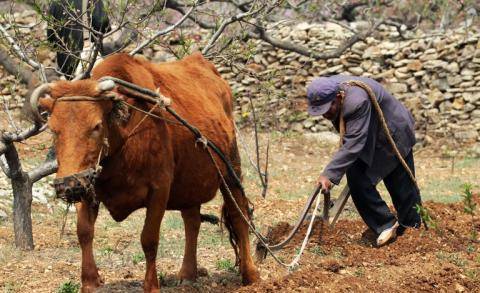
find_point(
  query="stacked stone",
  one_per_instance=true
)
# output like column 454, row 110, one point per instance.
column 436, row 76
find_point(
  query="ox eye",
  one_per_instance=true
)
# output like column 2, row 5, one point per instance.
column 97, row 129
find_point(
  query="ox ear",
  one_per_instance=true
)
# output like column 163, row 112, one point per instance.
column 46, row 103
column 120, row 112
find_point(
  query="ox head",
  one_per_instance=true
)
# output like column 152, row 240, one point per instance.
column 78, row 114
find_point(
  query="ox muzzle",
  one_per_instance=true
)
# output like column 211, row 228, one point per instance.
column 78, row 187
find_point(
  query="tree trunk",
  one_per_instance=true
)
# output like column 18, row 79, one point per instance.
column 22, row 212
column 22, row 200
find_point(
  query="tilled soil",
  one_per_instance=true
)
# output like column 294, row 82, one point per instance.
column 445, row 259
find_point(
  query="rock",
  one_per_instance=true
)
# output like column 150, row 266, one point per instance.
column 356, row 70
column 475, row 150
column 435, row 97
column 458, row 104
column 440, row 83
column 466, row 135
column 454, row 80
column 434, row 64
column 326, row 137
column 372, row 53
column 397, row 88
column 453, row 67
column 414, row 65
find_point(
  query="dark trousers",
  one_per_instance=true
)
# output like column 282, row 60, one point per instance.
column 373, row 210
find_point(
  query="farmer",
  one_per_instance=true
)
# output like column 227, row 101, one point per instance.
column 366, row 156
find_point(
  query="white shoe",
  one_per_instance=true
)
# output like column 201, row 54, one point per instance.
column 387, row 235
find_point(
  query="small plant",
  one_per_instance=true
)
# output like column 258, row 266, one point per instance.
column 162, row 277
column 138, row 257
column 226, row 265
column 359, row 272
column 106, row 251
column 69, row 287
column 427, row 218
column 317, row 250
column 469, row 207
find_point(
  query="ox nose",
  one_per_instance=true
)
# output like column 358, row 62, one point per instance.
column 76, row 187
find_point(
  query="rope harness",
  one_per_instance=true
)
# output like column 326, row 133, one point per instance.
column 156, row 98
column 383, row 123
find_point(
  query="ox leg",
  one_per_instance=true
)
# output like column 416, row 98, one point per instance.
column 191, row 219
column 86, row 217
column 149, row 239
column 239, row 233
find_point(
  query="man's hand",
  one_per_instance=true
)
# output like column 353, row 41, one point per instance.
column 325, row 183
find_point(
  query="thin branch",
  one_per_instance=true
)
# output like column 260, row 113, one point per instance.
column 15, row 137
column 47, row 168
column 13, row 68
column 226, row 23
column 163, row 32
column 9, row 116
column 172, row 4
column 19, row 52
column 263, row 176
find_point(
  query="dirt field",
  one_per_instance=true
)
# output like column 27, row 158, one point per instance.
column 445, row 259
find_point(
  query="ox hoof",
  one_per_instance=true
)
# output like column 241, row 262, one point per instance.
column 89, row 288
column 250, row 277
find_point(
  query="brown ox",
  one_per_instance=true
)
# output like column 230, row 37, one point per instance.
column 151, row 163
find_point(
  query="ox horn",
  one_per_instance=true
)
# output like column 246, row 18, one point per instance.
column 36, row 95
column 105, row 85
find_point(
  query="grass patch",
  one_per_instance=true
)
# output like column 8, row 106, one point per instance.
column 173, row 221
column 444, row 190
column 225, row 265
column 453, row 258
column 138, row 257
column 317, row 250
column 69, row 287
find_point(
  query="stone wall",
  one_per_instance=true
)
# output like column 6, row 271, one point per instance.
column 436, row 76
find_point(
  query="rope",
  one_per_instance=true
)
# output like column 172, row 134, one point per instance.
column 383, row 122
column 157, row 99
column 294, row 263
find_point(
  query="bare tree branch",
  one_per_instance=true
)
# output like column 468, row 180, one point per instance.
column 263, row 35
column 47, row 168
column 226, row 23
column 163, row 32
column 14, row 68
column 21, row 54
column 29, row 132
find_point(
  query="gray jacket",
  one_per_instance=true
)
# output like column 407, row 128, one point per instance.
column 364, row 137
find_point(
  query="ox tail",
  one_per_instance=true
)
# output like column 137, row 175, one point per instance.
column 209, row 218
column 232, row 236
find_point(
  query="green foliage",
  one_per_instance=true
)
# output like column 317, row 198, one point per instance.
column 225, row 265
column 162, row 276
column 138, row 257
column 106, row 251
column 317, row 250
column 427, row 218
column 469, row 207
column 69, row 287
